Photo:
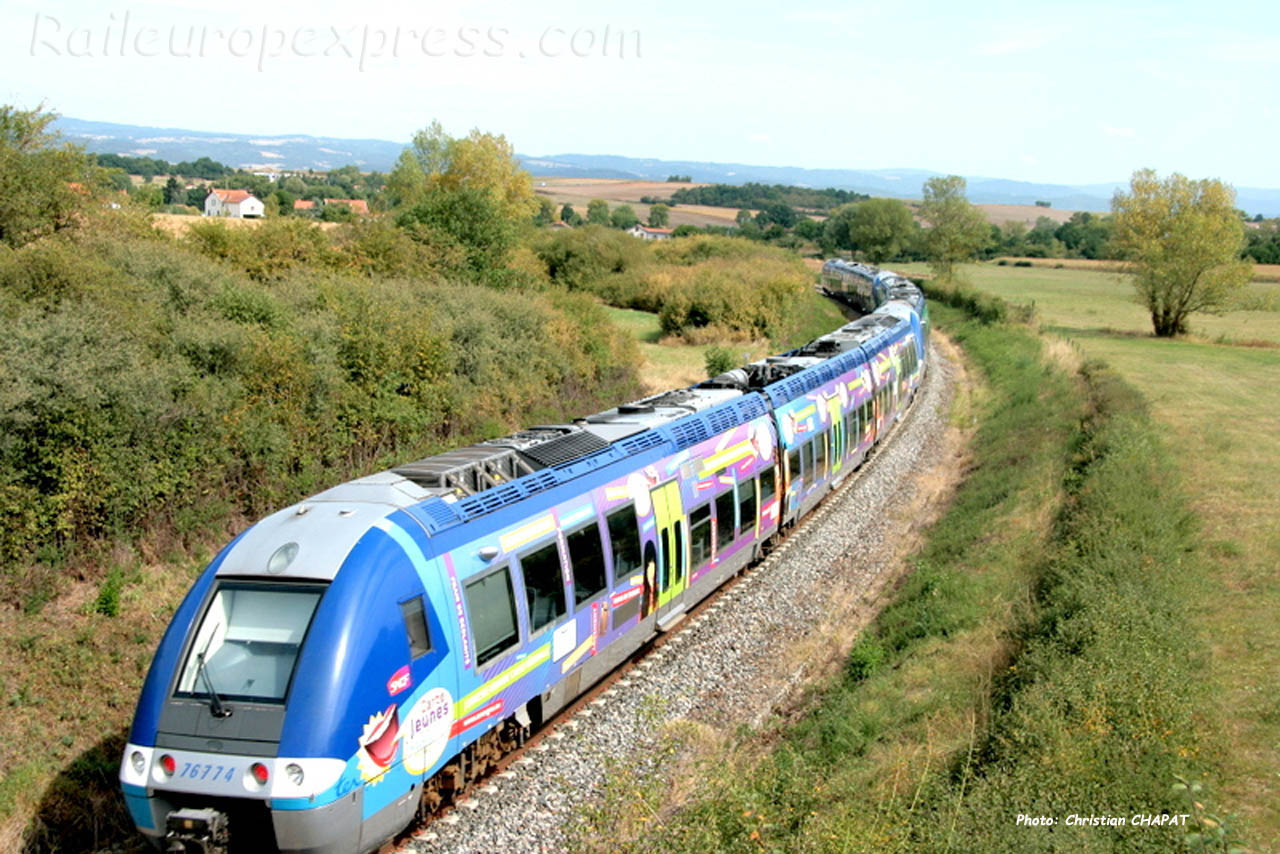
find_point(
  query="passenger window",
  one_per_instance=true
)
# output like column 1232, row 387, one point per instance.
column 624, row 538
column 807, row 454
column 492, row 606
column 767, row 484
column 724, row 519
column 820, row 455
column 747, row 506
column 543, row 586
column 586, row 556
column 700, row 536
column 793, row 465
column 415, row 626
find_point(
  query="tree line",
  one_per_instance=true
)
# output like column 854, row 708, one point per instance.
column 753, row 195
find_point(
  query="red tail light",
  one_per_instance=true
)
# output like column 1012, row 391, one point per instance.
column 168, row 765
column 259, row 772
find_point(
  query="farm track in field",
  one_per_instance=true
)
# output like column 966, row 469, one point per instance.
column 740, row 655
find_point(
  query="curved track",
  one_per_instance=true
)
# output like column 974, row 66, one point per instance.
column 733, row 660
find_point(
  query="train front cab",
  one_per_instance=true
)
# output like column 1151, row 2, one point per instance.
column 298, row 711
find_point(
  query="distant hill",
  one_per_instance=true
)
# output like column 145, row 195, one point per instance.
column 242, row 150
column 296, row 151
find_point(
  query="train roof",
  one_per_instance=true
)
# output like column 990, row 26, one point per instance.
column 855, row 268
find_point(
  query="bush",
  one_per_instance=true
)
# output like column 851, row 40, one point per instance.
column 173, row 381
column 718, row 360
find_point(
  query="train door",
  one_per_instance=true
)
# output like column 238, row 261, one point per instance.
column 672, row 563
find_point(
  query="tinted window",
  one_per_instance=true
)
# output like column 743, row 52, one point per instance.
column 747, row 505
column 415, row 626
column 492, row 606
column 793, row 465
column 625, row 540
column 724, row 518
column 543, row 586
column 700, row 536
column 807, row 454
column 586, row 556
column 767, row 484
column 820, row 454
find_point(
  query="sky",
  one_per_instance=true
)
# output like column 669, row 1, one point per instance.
column 1061, row 93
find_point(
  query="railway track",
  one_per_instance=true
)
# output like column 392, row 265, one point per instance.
column 467, row 796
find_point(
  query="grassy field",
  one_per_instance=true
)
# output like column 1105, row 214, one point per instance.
column 671, row 363
column 1261, row 272
column 1219, row 407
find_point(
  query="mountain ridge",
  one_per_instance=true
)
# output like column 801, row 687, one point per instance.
column 304, row 151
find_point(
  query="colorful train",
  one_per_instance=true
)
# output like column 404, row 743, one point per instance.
column 365, row 653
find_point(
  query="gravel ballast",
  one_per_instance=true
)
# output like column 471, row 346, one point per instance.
column 734, row 662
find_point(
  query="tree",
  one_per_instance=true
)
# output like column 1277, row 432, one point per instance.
column 43, row 183
column 659, row 215
column 880, row 228
column 173, row 192
column 623, row 216
column 957, row 230
column 470, row 219
column 1184, row 240
column 1086, row 235
column 776, row 213
column 546, row 211
column 598, row 212
column 479, row 161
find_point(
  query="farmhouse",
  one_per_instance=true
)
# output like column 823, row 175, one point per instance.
column 304, row 205
column 232, row 203
column 644, row 232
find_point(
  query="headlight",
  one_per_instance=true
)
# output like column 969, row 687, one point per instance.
column 294, row 773
column 138, row 762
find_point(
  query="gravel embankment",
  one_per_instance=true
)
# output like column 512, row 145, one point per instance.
column 733, row 663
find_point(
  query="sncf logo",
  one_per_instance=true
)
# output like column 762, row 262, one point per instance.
column 399, row 681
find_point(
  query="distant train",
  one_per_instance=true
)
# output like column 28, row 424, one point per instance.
column 367, row 652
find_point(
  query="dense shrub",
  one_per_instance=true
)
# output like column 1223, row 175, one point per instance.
column 142, row 379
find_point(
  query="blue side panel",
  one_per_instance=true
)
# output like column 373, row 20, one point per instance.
column 165, row 663
column 135, row 797
column 356, row 644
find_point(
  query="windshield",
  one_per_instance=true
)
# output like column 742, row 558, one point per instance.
column 249, row 640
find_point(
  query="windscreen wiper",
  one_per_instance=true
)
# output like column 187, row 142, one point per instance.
column 216, row 708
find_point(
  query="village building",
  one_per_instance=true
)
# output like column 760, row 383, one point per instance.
column 232, row 203
column 644, row 232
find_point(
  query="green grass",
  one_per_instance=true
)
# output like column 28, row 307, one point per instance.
column 1218, row 407
column 671, row 363
column 817, row 315
column 1078, row 300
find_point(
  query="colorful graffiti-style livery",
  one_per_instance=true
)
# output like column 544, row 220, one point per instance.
column 372, row 647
